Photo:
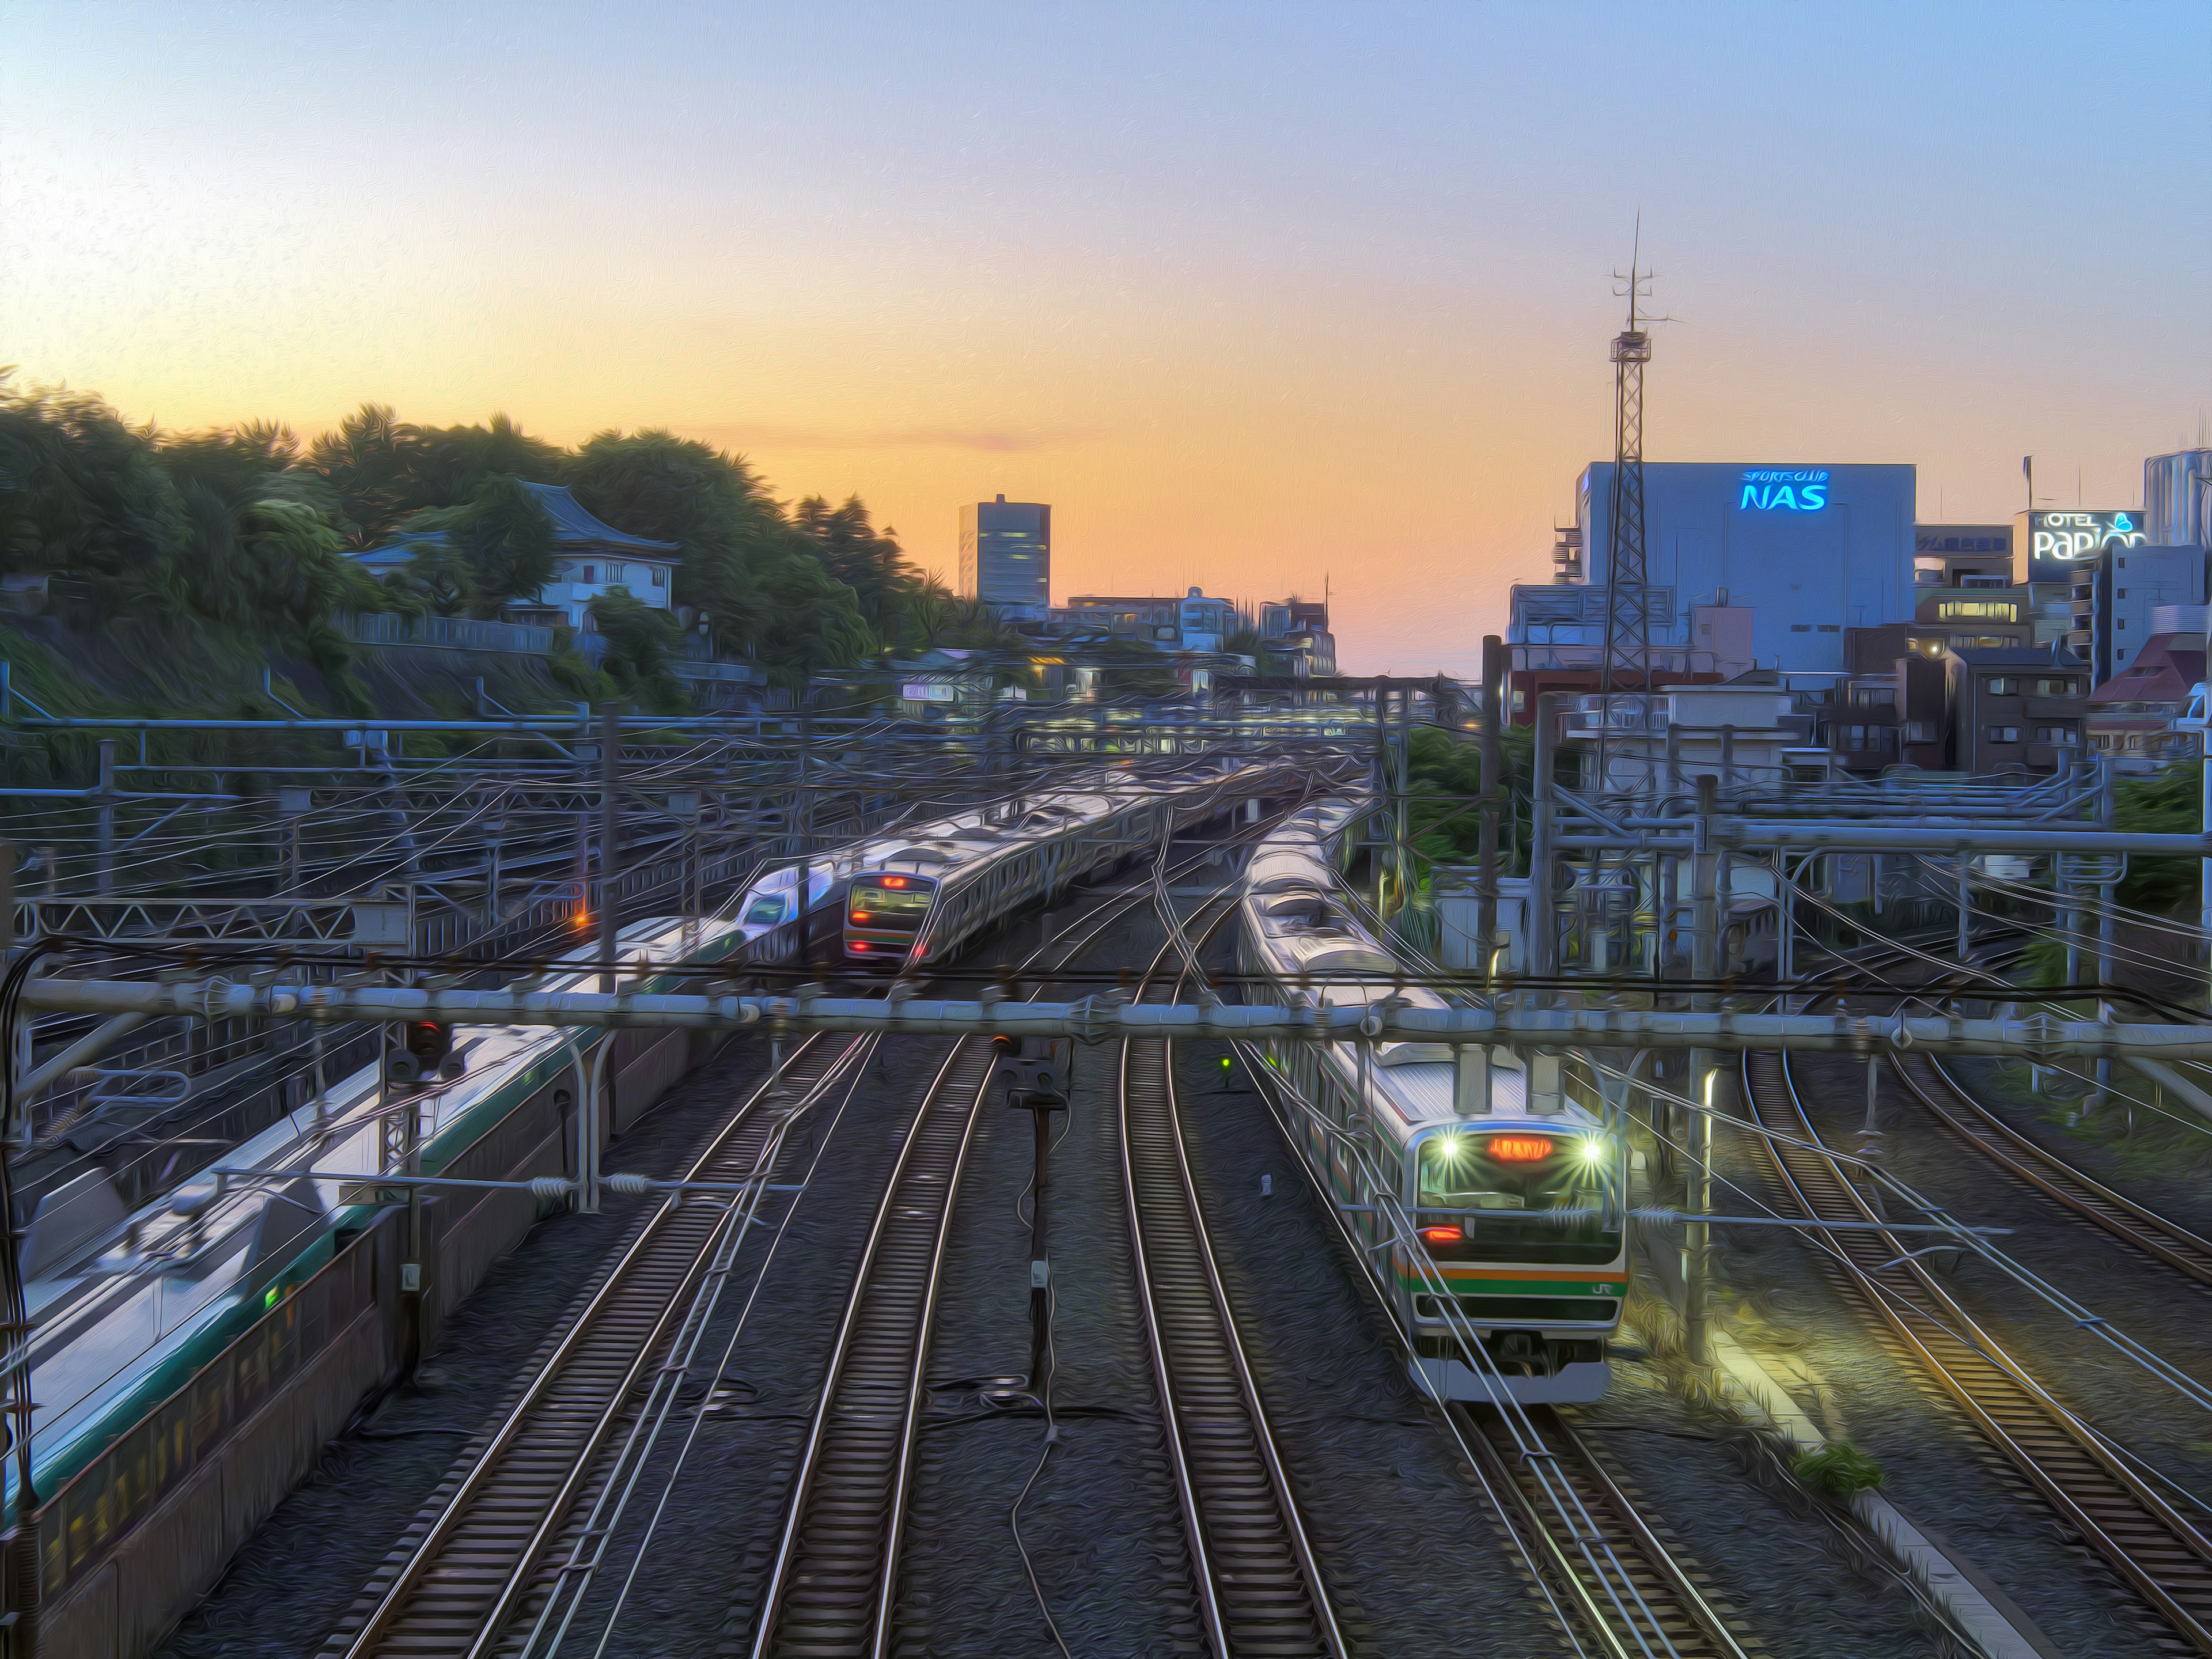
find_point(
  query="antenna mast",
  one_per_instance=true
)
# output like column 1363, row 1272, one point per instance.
column 1627, row 622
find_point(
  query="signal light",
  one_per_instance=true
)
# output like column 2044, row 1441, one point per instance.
column 858, row 945
column 1442, row 1235
column 1519, row 1149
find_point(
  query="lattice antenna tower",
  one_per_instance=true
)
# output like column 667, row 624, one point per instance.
column 1627, row 623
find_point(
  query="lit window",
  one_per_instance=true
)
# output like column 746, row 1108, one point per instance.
column 1988, row 610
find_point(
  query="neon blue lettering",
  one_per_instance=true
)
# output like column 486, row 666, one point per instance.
column 1816, row 497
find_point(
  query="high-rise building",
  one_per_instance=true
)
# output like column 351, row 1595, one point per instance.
column 1006, row 557
column 2178, row 499
column 1811, row 549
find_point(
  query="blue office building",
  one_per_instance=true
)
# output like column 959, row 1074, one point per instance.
column 1812, row 549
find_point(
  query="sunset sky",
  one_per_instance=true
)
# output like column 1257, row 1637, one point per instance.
column 1255, row 295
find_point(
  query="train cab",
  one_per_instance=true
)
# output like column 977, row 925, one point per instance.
column 884, row 915
column 1523, row 1224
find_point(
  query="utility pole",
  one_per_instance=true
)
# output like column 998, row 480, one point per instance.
column 610, row 815
column 1382, row 788
column 1697, row 1194
column 106, row 834
column 1540, row 941
column 294, row 805
column 1037, row 1082
column 1485, row 878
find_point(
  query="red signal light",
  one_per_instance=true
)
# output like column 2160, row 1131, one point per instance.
column 858, row 945
column 1442, row 1235
column 1519, row 1149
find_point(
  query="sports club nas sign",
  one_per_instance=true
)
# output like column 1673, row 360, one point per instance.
column 1803, row 491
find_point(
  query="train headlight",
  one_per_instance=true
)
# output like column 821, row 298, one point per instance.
column 1593, row 1149
column 1448, row 1148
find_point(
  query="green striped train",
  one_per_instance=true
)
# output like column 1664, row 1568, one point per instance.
column 1481, row 1190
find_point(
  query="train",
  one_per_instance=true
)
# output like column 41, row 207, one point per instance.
column 1509, row 1166
column 917, row 899
column 118, row 1330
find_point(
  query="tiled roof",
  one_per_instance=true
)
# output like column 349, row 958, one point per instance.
column 2163, row 671
column 575, row 526
column 574, row 530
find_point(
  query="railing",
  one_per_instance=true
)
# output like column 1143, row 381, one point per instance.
column 461, row 634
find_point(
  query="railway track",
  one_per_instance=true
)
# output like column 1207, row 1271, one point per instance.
column 832, row 1590
column 829, row 1592
column 1259, row 1588
column 471, row 1570
column 2156, row 1550
column 1658, row 1604
column 2162, row 1240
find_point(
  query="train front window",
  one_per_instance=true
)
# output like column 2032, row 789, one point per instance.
column 1521, row 1170
column 880, row 907
column 767, row 909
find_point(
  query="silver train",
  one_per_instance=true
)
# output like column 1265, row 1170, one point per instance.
column 1502, row 1161
column 917, row 899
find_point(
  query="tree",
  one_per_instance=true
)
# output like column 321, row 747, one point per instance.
column 502, row 535
column 82, row 494
column 819, row 625
column 731, row 535
column 885, row 587
column 382, row 470
column 640, row 640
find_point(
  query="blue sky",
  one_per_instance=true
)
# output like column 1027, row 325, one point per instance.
column 1252, row 294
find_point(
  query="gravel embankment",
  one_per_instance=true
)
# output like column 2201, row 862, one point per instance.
column 1827, row 1350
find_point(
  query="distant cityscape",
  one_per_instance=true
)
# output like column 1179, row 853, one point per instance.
column 1995, row 647
column 1006, row 568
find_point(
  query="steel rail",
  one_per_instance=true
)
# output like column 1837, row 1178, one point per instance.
column 1259, row 1583
column 466, row 1568
column 2081, row 1196
column 833, row 1587
column 2155, row 1549
column 1567, row 1527
column 1686, row 1621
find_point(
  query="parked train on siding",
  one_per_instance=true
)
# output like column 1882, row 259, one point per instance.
column 1504, row 1163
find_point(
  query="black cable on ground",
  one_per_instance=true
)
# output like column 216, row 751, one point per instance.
column 1051, row 1439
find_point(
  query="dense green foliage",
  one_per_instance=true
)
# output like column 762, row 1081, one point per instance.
column 2170, row 802
column 641, row 642
column 250, row 531
column 1839, row 1469
column 1445, row 772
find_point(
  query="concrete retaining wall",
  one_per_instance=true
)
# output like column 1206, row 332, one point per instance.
column 110, row 1562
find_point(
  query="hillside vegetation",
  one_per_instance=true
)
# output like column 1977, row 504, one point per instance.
column 233, row 542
